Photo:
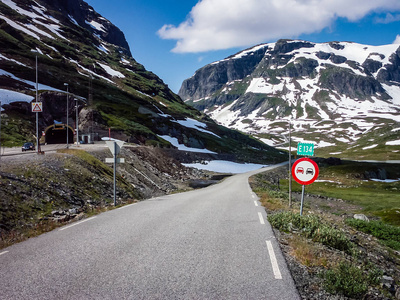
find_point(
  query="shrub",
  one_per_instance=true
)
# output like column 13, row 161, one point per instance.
column 349, row 280
column 311, row 227
column 388, row 234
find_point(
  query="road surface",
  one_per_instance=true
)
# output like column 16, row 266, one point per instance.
column 213, row 243
column 6, row 151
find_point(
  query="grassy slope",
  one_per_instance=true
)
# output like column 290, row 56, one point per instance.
column 313, row 243
column 379, row 199
column 131, row 105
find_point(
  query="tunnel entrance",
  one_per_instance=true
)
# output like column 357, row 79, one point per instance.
column 57, row 134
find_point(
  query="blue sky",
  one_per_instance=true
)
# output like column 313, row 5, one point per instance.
column 175, row 38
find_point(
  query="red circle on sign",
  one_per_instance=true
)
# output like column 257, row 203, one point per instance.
column 305, row 171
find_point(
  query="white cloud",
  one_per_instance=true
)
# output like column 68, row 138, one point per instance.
column 223, row 24
column 397, row 40
column 389, row 18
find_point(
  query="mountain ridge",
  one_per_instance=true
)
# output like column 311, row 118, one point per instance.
column 335, row 85
column 74, row 45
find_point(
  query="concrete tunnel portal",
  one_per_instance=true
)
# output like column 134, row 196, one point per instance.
column 57, row 134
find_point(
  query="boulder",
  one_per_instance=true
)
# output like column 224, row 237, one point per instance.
column 361, row 217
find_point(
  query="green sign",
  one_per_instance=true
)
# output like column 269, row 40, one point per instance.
column 306, row 149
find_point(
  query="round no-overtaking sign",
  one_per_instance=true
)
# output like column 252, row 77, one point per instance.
column 305, row 171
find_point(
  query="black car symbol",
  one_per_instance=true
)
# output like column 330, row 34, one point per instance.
column 310, row 171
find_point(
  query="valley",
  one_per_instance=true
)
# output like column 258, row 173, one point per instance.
column 186, row 224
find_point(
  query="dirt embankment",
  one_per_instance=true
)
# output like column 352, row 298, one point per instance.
column 37, row 192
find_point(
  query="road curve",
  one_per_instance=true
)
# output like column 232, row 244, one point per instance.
column 212, row 243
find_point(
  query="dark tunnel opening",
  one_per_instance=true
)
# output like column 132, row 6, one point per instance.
column 57, row 134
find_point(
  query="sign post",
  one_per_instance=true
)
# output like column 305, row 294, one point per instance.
column 115, row 148
column 305, row 171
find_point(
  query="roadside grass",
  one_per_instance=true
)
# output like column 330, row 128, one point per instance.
column 308, row 253
column 348, row 182
column 387, row 234
column 312, row 227
column 377, row 199
column 322, row 239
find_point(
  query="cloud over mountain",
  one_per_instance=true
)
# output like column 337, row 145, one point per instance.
column 223, row 24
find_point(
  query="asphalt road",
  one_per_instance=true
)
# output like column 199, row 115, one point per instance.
column 5, row 151
column 213, row 243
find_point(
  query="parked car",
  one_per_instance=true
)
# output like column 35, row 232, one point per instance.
column 28, row 146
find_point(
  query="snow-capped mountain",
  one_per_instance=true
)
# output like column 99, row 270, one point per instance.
column 78, row 49
column 332, row 93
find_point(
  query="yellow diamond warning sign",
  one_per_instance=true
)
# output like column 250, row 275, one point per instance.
column 37, row 107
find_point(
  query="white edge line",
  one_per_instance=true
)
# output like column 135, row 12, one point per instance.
column 274, row 262
column 4, row 252
column 261, row 218
column 126, row 206
column 255, row 203
column 66, row 227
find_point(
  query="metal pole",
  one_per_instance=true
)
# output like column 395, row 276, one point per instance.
column 302, row 200
column 115, row 171
column 0, row 130
column 67, row 113
column 290, row 166
column 37, row 114
column 77, row 123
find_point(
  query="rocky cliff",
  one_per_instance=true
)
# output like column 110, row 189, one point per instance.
column 74, row 45
column 332, row 93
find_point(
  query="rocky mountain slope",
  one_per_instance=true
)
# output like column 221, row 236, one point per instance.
column 74, row 45
column 334, row 94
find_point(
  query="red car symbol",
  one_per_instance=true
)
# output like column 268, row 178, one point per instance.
column 300, row 170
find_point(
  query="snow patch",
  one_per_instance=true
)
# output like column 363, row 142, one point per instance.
column 96, row 25
column 385, row 180
column 223, row 166
column 181, row 147
column 111, row 71
column 370, row 147
column 393, row 143
column 194, row 124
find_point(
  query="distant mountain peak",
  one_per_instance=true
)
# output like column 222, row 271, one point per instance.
column 78, row 50
column 340, row 84
column 46, row 18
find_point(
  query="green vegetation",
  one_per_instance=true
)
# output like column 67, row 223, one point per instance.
column 349, row 182
column 356, row 267
column 349, row 280
column 238, row 88
column 387, row 234
column 377, row 139
column 312, row 227
column 16, row 129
